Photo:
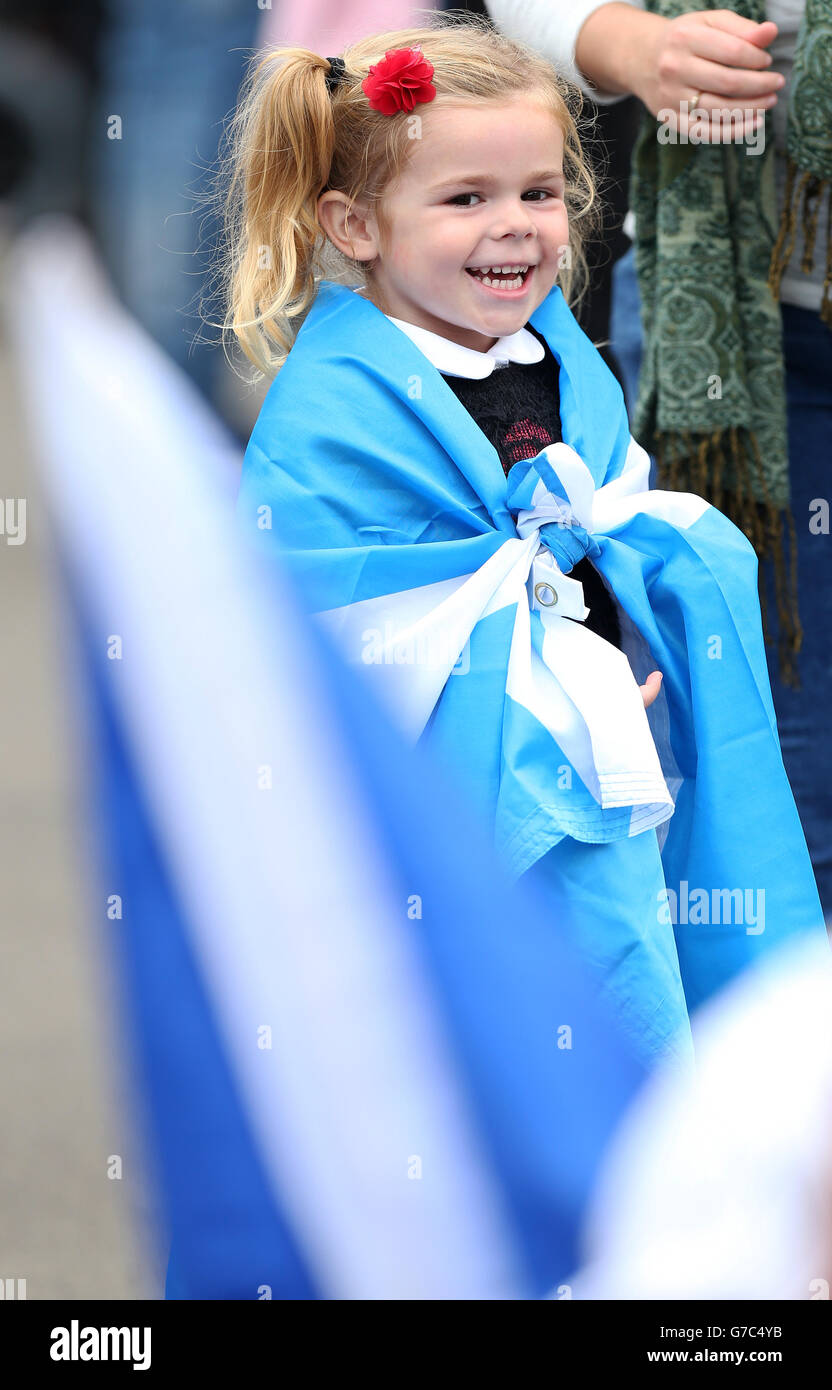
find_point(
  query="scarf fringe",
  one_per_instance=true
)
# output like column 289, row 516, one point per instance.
column 701, row 469
column 803, row 196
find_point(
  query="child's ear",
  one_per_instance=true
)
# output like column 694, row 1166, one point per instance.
column 350, row 228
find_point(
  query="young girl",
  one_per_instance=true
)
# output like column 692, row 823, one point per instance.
column 445, row 462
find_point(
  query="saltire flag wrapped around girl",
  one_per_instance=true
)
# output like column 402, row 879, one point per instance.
column 359, row 1084
column 447, row 582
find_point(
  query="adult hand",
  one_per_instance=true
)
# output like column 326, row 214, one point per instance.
column 713, row 52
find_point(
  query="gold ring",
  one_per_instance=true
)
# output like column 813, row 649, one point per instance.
column 694, row 102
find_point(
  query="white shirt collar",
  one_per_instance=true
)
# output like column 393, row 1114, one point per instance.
column 457, row 360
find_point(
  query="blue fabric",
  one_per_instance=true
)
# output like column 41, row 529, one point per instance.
column 801, row 716
column 620, row 937
column 544, row 1114
column 568, row 543
column 375, row 480
column 229, row 1236
column 625, row 324
column 507, row 982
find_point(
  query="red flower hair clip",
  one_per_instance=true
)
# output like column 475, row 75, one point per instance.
column 400, row 80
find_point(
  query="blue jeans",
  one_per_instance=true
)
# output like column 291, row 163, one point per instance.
column 802, row 717
column 801, row 714
column 625, row 326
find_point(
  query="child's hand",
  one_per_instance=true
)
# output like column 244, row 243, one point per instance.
column 651, row 688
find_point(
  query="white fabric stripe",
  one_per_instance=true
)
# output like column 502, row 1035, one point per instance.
column 299, row 925
column 411, row 640
column 615, row 503
column 533, row 684
column 679, row 509
column 598, row 680
column 582, row 690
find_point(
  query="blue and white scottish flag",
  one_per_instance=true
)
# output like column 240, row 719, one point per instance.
column 373, row 1069
column 447, row 584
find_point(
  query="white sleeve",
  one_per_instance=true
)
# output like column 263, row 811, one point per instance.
column 552, row 27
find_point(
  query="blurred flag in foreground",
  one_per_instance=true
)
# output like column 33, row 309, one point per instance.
column 719, row 1183
column 372, row 1068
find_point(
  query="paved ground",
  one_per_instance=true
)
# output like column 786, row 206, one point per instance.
column 65, row 1227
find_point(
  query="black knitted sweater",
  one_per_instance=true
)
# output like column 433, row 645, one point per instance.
column 517, row 408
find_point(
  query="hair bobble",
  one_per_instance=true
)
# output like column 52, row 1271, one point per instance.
column 337, row 69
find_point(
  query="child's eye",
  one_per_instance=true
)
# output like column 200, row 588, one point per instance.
column 547, row 193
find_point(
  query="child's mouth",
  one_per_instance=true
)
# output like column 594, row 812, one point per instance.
column 506, row 282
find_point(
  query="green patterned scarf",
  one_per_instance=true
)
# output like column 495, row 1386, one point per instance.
column 710, row 256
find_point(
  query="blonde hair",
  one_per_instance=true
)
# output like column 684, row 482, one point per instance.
column 289, row 140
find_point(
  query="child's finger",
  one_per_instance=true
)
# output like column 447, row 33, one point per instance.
column 651, row 688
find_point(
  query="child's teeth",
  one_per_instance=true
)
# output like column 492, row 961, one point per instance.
column 517, row 271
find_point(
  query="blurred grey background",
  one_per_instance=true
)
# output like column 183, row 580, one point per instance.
column 66, row 1227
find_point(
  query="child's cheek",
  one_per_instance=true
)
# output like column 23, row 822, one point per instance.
column 405, row 260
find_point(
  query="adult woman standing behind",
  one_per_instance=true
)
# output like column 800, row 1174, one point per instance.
column 733, row 408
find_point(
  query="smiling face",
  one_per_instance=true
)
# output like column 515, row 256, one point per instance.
column 483, row 188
